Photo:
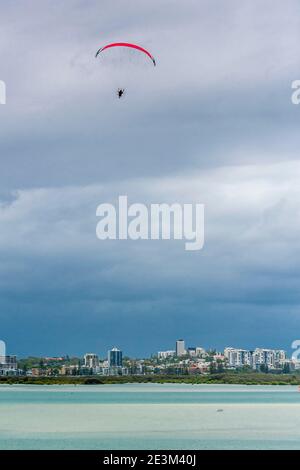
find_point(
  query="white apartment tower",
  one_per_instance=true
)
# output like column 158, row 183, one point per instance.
column 180, row 348
column 91, row 360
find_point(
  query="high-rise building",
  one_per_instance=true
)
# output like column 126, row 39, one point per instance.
column 263, row 357
column 191, row 352
column 270, row 358
column 115, row 358
column 180, row 347
column 91, row 360
column 8, row 365
column 280, row 358
column 237, row 357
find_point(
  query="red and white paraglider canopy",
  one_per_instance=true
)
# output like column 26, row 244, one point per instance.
column 127, row 44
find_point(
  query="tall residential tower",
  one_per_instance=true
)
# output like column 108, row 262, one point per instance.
column 180, row 347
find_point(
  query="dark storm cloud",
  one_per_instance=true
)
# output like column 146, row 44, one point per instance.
column 213, row 123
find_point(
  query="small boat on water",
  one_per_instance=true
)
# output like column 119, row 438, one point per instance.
column 220, row 410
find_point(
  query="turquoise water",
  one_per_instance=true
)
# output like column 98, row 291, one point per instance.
column 148, row 416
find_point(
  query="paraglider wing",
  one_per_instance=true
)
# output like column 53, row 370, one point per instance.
column 126, row 44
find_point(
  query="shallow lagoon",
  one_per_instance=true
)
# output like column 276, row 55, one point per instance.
column 149, row 416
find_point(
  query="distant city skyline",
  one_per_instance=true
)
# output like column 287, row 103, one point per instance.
column 180, row 347
column 181, row 360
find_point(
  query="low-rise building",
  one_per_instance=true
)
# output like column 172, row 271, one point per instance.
column 165, row 354
column 200, row 352
column 70, row 370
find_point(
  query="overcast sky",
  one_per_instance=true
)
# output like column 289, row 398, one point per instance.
column 213, row 123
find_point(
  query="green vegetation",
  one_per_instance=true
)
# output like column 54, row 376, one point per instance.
column 43, row 363
column 242, row 378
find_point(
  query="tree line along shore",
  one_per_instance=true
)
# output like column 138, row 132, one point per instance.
column 225, row 378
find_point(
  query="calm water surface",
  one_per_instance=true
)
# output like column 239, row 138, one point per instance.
column 147, row 416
